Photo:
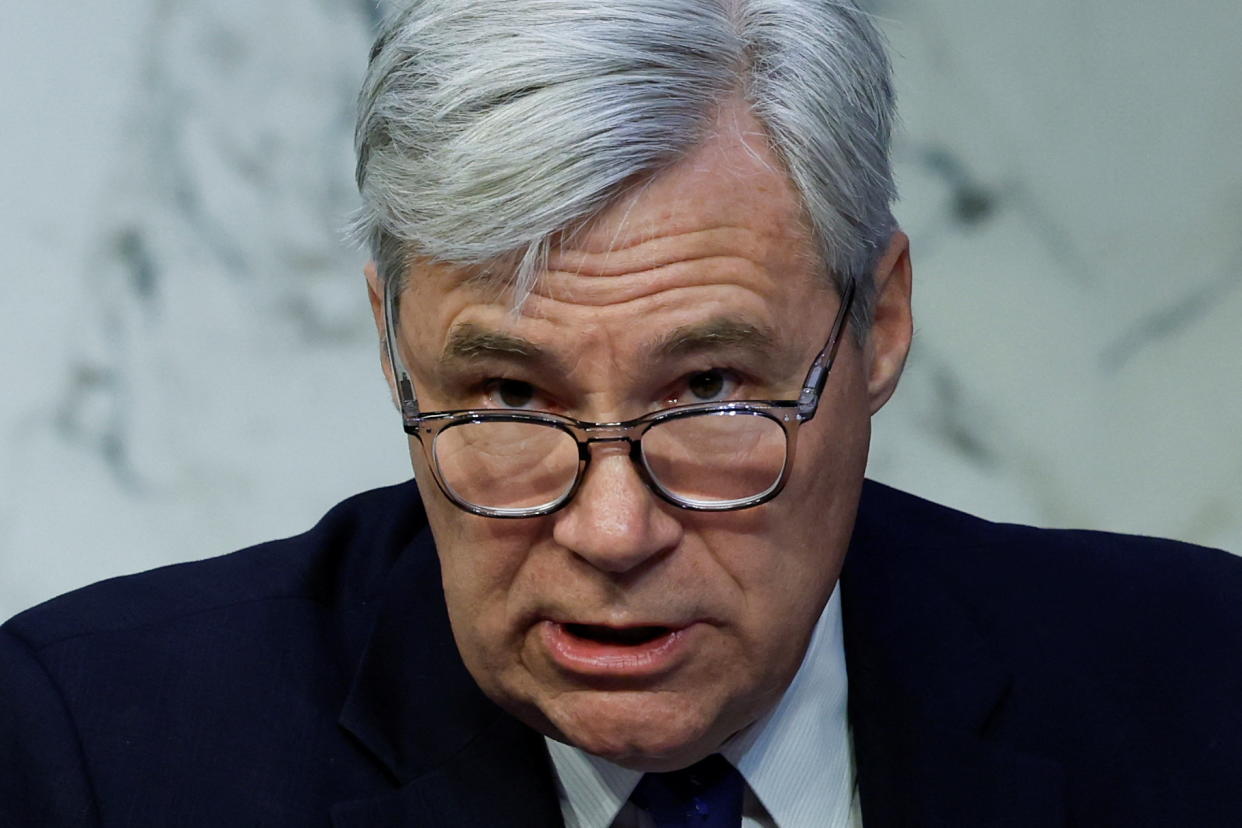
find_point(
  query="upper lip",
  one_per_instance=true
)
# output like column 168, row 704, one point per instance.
column 614, row 624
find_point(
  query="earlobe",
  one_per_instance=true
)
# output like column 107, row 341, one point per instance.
column 375, row 292
column 892, row 327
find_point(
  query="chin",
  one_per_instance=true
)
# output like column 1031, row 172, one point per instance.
column 647, row 731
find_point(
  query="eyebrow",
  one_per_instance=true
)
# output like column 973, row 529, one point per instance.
column 470, row 343
column 715, row 335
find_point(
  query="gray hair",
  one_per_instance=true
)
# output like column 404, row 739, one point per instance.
column 487, row 126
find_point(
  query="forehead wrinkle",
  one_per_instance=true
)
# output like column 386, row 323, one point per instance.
column 670, row 244
column 564, row 288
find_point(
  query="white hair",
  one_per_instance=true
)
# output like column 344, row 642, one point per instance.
column 487, row 126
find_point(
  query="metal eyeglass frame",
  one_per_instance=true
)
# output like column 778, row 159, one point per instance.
column 789, row 414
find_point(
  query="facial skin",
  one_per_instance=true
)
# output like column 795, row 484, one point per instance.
column 720, row 236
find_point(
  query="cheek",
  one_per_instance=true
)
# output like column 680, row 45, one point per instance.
column 481, row 564
column 481, row 561
column 830, row 461
column 776, row 572
column 477, row 593
column 477, row 555
column 785, row 557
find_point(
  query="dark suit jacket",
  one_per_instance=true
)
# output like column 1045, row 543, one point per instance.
column 999, row 676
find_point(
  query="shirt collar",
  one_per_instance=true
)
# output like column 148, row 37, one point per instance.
column 796, row 758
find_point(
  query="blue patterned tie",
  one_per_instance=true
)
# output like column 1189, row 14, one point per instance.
column 708, row 794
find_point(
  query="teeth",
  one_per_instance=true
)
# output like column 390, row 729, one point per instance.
column 628, row 636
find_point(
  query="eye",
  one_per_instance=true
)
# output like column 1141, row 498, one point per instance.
column 709, row 386
column 509, row 393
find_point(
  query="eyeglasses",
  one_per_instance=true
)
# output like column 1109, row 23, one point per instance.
column 706, row 457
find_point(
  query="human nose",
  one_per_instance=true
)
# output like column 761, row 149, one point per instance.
column 614, row 521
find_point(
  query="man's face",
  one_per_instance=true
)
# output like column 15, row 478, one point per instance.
column 717, row 243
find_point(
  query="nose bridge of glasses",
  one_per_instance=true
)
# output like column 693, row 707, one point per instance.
column 592, row 433
column 610, row 438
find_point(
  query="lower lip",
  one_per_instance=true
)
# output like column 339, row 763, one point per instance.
column 595, row 658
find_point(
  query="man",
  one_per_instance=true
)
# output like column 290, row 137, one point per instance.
column 640, row 292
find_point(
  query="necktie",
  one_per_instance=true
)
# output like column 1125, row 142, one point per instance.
column 708, row 794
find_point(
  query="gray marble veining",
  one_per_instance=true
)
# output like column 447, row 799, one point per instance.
column 195, row 367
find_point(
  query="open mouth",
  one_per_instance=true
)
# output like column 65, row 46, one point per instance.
column 639, row 652
column 617, row 636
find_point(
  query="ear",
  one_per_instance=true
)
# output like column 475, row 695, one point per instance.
column 892, row 326
column 375, row 291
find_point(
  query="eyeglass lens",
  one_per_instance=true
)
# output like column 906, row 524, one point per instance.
column 506, row 465
column 710, row 459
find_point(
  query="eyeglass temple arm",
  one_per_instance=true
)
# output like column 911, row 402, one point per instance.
column 817, row 377
column 406, row 399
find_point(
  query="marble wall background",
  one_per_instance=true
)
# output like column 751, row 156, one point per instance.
column 189, row 365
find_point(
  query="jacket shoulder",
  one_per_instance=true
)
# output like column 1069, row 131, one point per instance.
column 141, row 688
column 337, row 563
column 1116, row 644
column 1045, row 569
column 1070, row 596
column 1115, row 656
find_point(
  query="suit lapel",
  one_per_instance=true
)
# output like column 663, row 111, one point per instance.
column 456, row 758
column 499, row 780
column 926, row 683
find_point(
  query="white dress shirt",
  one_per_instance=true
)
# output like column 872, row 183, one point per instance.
column 797, row 759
